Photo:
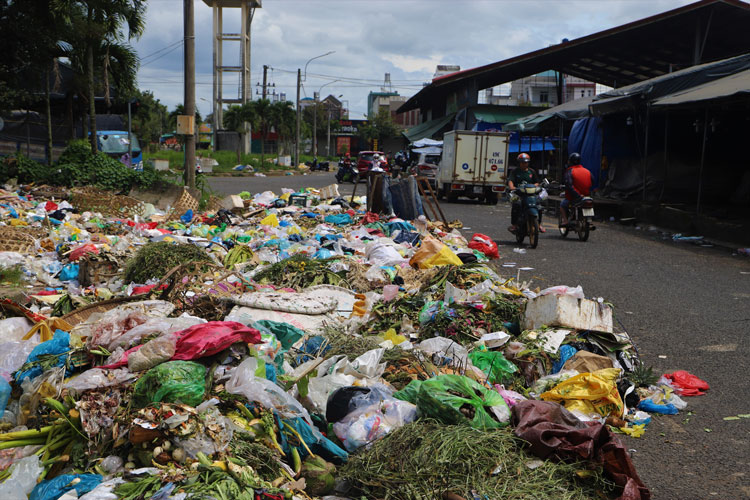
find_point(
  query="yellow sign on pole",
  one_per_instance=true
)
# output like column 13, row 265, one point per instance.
column 374, row 144
column 185, row 125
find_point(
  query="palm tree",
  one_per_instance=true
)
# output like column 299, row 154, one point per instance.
column 283, row 120
column 235, row 118
column 262, row 113
column 98, row 28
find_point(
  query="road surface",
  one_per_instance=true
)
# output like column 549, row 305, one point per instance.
column 685, row 306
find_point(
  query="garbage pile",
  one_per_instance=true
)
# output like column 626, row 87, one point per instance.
column 296, row 346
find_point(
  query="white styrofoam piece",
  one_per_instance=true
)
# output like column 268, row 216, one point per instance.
column 567, row 311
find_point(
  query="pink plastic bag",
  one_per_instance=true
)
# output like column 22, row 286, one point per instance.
column 484, row 244
column 687, row 384
column 205, row 339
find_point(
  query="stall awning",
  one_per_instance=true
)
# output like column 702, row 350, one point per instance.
column 428, row 129
column 727, row 87
column 495, row 116
column 571, row 110
column 530, row 145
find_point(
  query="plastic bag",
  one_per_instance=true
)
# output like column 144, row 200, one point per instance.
column 494, row 365
column 576, row 292
column 370, row 423
column 14, row 329
column 434, row 253
column 154, row 325
column 171, row 382
column 485, row 409
column 512, row 398
column 484, row 244
column 243, row 381
column 409, row 393
column 152, row 353
column 98, row 378
column 444, row 351
column 104, row 491
column 687, row 384
column 589, row 393
column 59, row 344
column 22, row 479
column 566, row 352
column 346, row 400
column 52, row 489
column 651, row 407
column 5, row 391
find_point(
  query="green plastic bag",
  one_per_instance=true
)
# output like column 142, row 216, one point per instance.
column 454, row 399
column 286, row 334
column 409, row 393
column 501, row 369
column 171, row 382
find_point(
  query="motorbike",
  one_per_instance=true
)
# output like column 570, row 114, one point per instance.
column 580, row 218
column 347, row 172
column 528, row 218
column 315, row 166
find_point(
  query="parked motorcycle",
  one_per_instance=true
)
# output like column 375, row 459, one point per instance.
column 347, row 172
column 580, row 218
column 528, row 218
column 315, row 166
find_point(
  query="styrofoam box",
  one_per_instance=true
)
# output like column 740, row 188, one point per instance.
column 564, row 310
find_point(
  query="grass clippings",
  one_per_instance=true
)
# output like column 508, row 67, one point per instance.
column 154, row 260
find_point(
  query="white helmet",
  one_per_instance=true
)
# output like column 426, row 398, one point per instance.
column 376, row 156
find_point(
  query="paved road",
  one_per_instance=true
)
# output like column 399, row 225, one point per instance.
column 686, row 307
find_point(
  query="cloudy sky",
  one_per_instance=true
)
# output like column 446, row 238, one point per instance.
column 406, row 38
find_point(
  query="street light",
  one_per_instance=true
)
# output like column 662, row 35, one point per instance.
column 299, row 79
column 315, row 119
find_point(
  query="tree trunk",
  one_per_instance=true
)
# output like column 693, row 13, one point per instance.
column 90, row 84
column 49, row 116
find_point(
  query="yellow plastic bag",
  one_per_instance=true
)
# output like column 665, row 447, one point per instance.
column 270, row 220
column 394, row 337
column 47, row 328
column 434, row 253
column 589, row 393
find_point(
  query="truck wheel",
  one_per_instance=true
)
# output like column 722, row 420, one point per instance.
column 494, row 199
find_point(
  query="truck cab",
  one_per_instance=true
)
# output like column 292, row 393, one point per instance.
column 114, row 143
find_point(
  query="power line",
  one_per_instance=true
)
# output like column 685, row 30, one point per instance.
column 162, row 55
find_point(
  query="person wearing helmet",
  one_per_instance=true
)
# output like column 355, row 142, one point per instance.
column 578, row 181
column 522, row 175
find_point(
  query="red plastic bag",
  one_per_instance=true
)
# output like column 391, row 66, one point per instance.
column 205, row 339
column 50, row 206
column 370, row 217
column 484, row 244
column 687, row 384
column 83, row 250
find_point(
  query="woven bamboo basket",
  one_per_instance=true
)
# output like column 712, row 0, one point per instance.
column 97, row 269
column 96, row 200
column 80, row 315
column 184, row 203
column 17, row 239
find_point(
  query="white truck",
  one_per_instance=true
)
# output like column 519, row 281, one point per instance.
column 473, row 165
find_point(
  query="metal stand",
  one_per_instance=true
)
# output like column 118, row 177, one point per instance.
column 424, row 187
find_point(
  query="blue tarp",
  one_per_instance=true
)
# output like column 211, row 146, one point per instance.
column 586, row 139
column 528, row 144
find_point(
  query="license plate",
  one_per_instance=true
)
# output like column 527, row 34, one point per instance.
column 588, row 212
column 478, row 189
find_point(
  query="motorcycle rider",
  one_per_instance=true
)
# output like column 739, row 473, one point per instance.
column 578, row 181
column 522, row 174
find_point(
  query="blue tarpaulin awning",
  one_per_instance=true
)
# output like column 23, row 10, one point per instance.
column 529, row 144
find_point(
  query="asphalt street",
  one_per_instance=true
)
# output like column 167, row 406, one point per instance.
column 685, row 306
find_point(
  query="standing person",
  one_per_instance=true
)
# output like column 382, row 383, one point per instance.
column 578, row 181
column 523, row 174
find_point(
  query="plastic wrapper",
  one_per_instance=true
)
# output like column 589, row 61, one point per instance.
column 171, row 382
column 152, row 353
column 434, row 253
column 576, row 292
column 243, row 381
column 444, row 351
column 104, row 491
column 14, row 329
column 370, row 423
column 453, row 399
column 97, row 378
column 22, row 479
column 13, row 355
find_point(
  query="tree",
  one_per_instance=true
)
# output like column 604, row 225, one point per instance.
column 283, row 120
column 261, row 113
column 235, row 118
column 380, row 127
column 99, row 28
column 149, row 117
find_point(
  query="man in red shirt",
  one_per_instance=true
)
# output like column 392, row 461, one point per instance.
column 578, row 181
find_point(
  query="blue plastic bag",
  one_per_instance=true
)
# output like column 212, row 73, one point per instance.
column 339, row 219
column 59, row 344
column 187, row 216
column 69, row 272
column 566, row 352
column 317, row 442
column 52, row 489
column 323, row 253
column 4, row 395
column 651, row 407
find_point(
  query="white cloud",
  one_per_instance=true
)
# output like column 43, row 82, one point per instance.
column 406, row 38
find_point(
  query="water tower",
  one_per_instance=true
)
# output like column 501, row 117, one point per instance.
column 247, row 11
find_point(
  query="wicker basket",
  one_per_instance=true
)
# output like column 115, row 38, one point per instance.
column 80, row 315
column 17, row 239
column 184, row 203
column 96, row 200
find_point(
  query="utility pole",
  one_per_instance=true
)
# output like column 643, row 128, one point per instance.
column 296, row 142
column 315, row 126
column 328, row 141
column 189, row 33
column 265, row 75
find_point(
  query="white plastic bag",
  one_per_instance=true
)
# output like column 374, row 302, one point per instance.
column 22, row 479
column 104, row 490
column 243, row 381
column 152, row 353
column 446, row 350
column 576, row 292
column 14, row 329
column 366, row 425
column 97, row 377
